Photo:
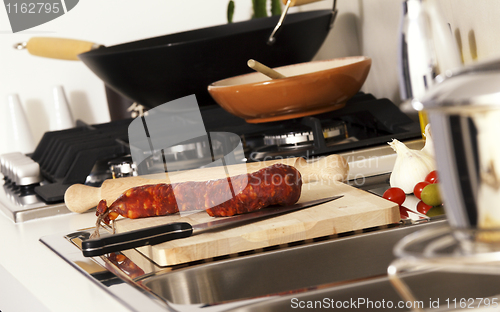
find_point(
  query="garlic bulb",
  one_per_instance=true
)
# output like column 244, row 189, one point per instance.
column 411, row 167
column 429, row 144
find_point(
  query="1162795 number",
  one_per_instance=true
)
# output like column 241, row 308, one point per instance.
column 33, row 8
column 471, row 303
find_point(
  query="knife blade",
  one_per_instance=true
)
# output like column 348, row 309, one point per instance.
column 176, row 230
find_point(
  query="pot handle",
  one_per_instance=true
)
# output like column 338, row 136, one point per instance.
column 299, row 2
column 57, row 48
column 288, row 4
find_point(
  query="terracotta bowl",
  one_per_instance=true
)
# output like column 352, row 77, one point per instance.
column 309, row 88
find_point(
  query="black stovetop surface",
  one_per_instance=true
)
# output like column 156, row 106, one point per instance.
column 372, row 121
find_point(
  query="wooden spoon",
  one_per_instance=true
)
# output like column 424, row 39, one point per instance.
column 263, row 69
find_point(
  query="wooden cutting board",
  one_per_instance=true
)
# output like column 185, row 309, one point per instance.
column 357, row 210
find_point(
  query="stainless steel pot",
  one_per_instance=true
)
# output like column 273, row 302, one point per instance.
column 464, row 112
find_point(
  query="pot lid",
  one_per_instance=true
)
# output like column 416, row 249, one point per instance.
column 475, row 85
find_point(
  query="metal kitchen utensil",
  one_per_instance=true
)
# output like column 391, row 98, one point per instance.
column 288, row 4
column 159, row 234
column 464, row 113
column 426, row 50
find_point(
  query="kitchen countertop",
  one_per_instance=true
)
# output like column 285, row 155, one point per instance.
column 34, row 278
column 46, row 282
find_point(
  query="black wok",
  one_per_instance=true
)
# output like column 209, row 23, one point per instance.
column 157, row 70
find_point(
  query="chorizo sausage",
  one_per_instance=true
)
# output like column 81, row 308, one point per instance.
column 278, row 184
column 275, row 185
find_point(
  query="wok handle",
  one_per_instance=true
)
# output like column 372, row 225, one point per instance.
column 299, row 2
column 288, row 4
column 58, row 48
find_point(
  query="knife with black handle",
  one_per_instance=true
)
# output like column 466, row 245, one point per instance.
column 170, row 231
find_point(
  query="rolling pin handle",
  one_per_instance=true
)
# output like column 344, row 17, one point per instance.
column 326, row 169
column 80, row 198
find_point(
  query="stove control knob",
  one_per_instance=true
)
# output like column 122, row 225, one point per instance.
column 122, row 167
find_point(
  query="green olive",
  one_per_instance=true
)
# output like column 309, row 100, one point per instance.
column 435, row 211
column 430, row 195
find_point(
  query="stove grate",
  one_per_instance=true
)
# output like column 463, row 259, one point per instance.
column 67, row 156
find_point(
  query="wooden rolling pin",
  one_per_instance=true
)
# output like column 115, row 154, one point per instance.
column 80, row 198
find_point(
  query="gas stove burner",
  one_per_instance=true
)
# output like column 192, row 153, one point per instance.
column 199, row 152
column 301, row 140
column 273, row 152
column 305, row 137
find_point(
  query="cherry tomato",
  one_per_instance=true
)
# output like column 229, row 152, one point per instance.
column 432, row 177
column 396, row 195
column 423, row 207
column 417, row 190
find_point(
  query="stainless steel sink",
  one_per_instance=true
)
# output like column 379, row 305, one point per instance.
column 433, row 290
column 301, row 268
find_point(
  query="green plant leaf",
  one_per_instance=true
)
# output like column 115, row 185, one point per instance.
column 230, row 11
column 259, row 8
column 275, row 7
